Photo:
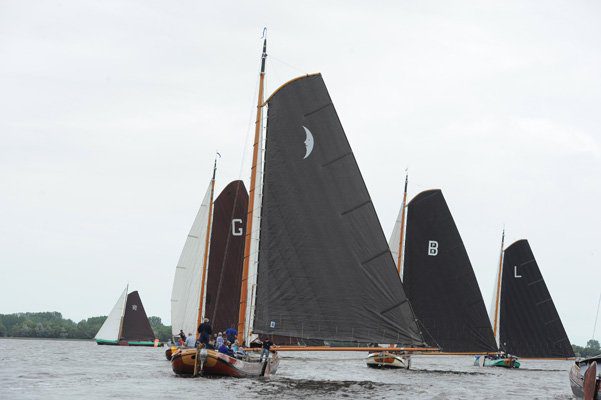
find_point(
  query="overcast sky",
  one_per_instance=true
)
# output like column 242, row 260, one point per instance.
column 111, row 112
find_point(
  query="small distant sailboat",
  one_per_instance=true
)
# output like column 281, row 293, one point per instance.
column 438, row 276
column 524, row 318
column 127, row 324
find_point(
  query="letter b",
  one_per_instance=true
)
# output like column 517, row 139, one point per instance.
column 432, row 248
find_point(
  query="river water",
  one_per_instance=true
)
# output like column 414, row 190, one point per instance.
column 56, row 369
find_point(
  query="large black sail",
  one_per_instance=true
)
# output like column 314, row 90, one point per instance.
column 135, row 322
column 325, row 270
column 529, row 323
column 439, row 279
column 226, row 256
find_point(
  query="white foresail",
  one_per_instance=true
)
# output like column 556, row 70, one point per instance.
column 395, row 240
column 495, row 305
column 112, row 325
column 254, row 240
column 185, row 295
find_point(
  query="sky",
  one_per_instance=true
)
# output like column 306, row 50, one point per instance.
column 111, row 113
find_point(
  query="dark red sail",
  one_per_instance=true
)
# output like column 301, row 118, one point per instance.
column 226, row 256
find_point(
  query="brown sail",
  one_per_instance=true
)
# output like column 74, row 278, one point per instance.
column 226, row 256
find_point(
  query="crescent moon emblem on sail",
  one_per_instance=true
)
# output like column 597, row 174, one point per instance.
column 308, row 142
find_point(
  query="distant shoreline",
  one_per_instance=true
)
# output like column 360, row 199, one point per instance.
column 47, row 338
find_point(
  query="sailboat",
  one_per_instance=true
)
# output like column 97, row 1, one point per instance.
column 224, row 264
column 584, row 378
column 524, row 318
column 127, row 324
column 316, row 262
column 438, row 276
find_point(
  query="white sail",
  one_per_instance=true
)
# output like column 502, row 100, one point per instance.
column 109, row 331
column 395, row 240
column 254, row 239
column 185, row 295
column 495, row 305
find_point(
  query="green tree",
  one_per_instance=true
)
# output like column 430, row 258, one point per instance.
column 593, row 345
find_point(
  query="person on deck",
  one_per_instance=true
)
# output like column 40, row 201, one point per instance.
column 224, row 348
column 266, row 346
column 231, row 334
column 190, row 341
column 182, row 335
column 219, row 341
column 205, row 331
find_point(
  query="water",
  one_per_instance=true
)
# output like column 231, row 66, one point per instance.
column 56, row 369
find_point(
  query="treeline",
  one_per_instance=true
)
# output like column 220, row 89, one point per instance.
column 53, row 325
column 592, row 349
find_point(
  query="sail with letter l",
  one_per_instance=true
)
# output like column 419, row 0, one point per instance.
column 325, row 270
column 529, row 323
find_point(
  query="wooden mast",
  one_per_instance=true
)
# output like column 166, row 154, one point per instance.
column 402, row 238
column 122, row 315
column 498, row 289
column 206, row 253
column 251, row 202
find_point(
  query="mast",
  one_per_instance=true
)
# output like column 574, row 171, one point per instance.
column 498, row 291
column 206, row 252
column 122, row 314
column 597, row 317
column 402, row 239
column 242, row 323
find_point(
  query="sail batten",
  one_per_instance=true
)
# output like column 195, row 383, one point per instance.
column 324, row 270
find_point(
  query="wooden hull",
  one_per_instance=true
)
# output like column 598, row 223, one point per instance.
column 506, row 362
column 577, row 381
column 126, row 343
column 218, row 364
column 387, row 359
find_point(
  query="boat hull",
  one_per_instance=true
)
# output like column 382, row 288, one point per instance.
column 577, row 381
column 127, row 343
column 387, row 359
column 218, row 364
column 505, row 362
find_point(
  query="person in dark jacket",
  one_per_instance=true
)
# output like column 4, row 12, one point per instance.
column 266, row 346
column 205, row 331
column 231, row 334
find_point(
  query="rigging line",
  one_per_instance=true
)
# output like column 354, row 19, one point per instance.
column 253, row 110
column 597, row 317
column 288, row 65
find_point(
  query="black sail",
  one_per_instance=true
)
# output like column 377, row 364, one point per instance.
column 135, row 322
column 325, row 270
column 440, row 281
column 529, row 323
column 226, row 256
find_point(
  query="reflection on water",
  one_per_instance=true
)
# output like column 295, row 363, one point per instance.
column 53, row 369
